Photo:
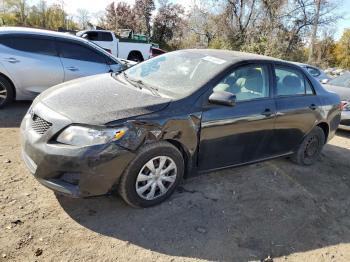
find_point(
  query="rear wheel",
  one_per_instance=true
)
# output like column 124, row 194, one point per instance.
column 135, row 56
column 6, row 92
column 152, row 176
column 310, row 149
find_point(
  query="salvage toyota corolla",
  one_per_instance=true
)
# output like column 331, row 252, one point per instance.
column 191, row 111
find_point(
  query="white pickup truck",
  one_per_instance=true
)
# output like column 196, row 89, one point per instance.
column 125, row 48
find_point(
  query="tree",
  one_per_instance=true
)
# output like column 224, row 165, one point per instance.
column 342, row 50
column 314, row 31
column 20, row 9
column 121, row 16
column 83, row 17
column 111, row 17
column 143, row 11
column 167, row 22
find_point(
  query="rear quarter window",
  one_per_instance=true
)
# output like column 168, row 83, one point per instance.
column 30, row 44
column 107, row 37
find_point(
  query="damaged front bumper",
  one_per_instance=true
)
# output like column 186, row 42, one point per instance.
column 70, row 170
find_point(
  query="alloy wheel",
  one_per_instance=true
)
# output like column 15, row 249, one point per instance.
column 3, row 94
column 156, row 177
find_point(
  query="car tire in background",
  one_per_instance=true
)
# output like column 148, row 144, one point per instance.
column 310, row 149
column 135, row 56
column 6, row 92
column 152, row 176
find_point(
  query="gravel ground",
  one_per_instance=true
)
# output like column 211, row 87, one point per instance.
column 273, row 209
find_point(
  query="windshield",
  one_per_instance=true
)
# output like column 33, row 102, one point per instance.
column 177, row 74
column 343, row 80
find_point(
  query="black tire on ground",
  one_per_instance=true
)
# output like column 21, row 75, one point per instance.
column 127, row 183
column 6, row 92
column 135, row 56
column 310, row 149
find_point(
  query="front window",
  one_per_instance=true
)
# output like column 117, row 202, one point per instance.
column 246, row 82
column 177, row 74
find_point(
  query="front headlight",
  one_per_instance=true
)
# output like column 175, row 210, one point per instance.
column 87, row 136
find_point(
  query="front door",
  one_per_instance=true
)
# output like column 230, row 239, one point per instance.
column 232, row 135
column 80, row 60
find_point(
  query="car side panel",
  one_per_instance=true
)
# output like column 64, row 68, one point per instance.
column 33, row 73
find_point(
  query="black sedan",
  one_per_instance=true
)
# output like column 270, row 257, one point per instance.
column 186, row 112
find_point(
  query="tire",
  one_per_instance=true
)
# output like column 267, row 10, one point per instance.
column 135, row 56
column 138, row 181
column 6, row 92
column 310, row 149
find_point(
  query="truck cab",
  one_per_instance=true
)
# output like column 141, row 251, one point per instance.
column 125, row 46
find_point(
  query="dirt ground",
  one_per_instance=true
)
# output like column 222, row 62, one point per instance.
column 275, row 209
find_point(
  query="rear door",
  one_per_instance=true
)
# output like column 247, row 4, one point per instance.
column 81, row 60
column 297, row 106
column 32, row 61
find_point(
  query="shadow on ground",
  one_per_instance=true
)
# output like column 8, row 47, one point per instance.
column 12, row 115
column 274, row 208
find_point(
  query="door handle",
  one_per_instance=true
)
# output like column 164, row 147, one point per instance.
column 313, row 107
column 267, row 112
column 72, row 68
column 11, row 60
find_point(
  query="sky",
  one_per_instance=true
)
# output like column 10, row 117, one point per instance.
column 95, row 6
column 344, row 23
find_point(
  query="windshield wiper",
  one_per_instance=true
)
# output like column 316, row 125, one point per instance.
column 140, row 84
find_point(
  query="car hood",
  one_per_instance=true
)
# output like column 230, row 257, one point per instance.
column 97, row 100
column 343, row 92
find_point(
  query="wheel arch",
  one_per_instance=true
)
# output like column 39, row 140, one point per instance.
column 136, row 52
column 325, row 127
column 185, row 154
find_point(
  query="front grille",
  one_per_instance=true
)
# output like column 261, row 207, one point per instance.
column 40, row 125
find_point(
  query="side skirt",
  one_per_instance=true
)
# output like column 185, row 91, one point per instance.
column 245, row 163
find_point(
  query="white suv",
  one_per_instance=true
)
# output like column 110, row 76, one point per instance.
column 33, row 60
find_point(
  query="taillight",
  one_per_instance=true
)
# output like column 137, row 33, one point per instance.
column 342, row 105
column 345, row 106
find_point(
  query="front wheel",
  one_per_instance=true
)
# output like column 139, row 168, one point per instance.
column 310, row 149
column 152, row 176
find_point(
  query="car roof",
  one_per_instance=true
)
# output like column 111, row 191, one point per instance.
column 24, row 30
column 234, row 56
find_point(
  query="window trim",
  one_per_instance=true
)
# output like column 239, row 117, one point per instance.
column 292, row 68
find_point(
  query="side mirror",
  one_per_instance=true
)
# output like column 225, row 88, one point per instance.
column 222, row 98
column 324, row 81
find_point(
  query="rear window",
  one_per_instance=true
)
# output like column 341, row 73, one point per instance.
column 291, row 82
column 30, row 44
column 106, row 37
